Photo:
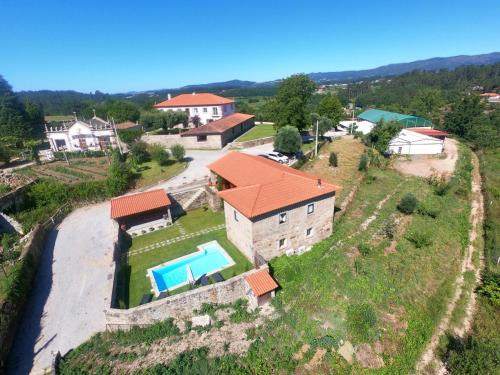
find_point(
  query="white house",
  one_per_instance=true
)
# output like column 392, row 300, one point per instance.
column 409, row 142
column 208, row 107
column 358, row 125
column 78, row 135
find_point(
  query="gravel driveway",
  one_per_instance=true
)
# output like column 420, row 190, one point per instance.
column 69, row 292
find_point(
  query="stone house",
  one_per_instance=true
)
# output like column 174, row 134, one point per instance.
column 271, row 209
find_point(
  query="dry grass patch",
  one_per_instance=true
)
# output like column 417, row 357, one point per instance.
column 346, row 175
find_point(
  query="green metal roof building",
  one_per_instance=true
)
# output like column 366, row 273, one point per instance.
column 408, row 121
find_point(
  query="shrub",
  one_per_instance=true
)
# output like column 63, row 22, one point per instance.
column 389, row 229
column 426, row 210
column 288, row 140
column 408, row 203
column 362, row 321
column 439, row 183
column 129, row 136
column 475, row 356
column 139, row 151
column 178, row 152
column 158, row 153
column 364, row 248
column 241, row 313
column 490, row 287
column 333, row 160
column 419, row 239
column 4, row 188
column 326, row 342
column 363, row 163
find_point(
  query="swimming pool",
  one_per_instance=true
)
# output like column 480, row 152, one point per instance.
column 209, row 258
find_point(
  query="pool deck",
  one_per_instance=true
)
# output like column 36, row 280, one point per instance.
column 201, row 247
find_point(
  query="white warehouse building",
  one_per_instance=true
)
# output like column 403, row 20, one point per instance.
column 78, row 135
column 416, row 142
column 208, row 107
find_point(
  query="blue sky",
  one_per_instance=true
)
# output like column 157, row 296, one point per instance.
column 118, row 46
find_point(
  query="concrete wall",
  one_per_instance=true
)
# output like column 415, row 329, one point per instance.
column 253, row 143
column 262, row 234
column 205, row 113
column 180, row 305
column 417, row 149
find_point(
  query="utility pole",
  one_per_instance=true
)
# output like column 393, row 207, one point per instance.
column 316, row 146
column 116, row 134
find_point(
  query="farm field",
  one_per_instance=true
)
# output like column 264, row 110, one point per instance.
column 380, row 283
column 79, row 170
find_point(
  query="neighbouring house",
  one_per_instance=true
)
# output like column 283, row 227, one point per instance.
column 78, row 135
column 128, row 125
column 271, row 209
column 491, row 97
column 218, row 133
column 207, row 107
column 419, row 141
column 142, row 212
column 260, row 288
column 408, row 121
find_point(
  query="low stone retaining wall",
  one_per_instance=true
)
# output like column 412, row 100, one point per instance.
column 166, row 140
column 180, row 305
column 15, row 198
column 252, row 143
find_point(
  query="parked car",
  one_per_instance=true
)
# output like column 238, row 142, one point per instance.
column 277, row 157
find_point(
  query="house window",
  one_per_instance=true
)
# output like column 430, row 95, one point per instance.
column 236, row 216
column 309, row 232
column 201, row 138
column 282, row 217
column 195, row 110
column 215, row 110
column 310, row 208
column 205, row 110
column 281, row 243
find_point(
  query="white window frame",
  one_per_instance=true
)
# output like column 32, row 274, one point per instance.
column 285, row 241
column 307, row 209
column 215, row 111
column 311, row 232
column 205, row 110
column 283, row 215
column 196, row 110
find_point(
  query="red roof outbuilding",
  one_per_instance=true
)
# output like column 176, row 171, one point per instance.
column 429, row 132
column 194, row 100
column 261, row 283
column 219, row 126
column 133, row 204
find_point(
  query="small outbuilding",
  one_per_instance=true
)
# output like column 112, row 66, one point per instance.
column 260, row 288
column 142, row 212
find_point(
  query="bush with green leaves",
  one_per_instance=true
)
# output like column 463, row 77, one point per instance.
column 129, row 136
column 439, row 183
column 178, row 152
column 288, row 140
column 333, row 159
column 4, row 188
column 119, row 176
column 419, row 238
column 158, row 153
column 363, row 163
column 408, row 203
column 362, row 322
column 425, row 209
column 364, row 248
column 490, row 287
column 139, row 152
column 389, row 229
column 474, row 356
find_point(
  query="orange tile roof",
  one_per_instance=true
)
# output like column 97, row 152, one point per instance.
column 264, row 186
column 489, row 94
column 126, row 125
column 194, row 100
column 219, row 126
column 136, row 203
column 261, row 283
column 429, row 132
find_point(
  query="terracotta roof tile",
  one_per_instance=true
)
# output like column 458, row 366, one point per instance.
column 428, row 131
column 219, row 126
column 126, row 125
column 194, row 100
column 136, row 203
column 264, row 186
column 261, row 283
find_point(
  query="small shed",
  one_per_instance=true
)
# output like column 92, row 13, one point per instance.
column 260, row 288
column 142, row 212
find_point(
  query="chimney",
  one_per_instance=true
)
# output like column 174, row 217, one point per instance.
column 169, row 96
column 319, row 183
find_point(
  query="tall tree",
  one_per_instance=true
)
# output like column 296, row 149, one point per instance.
column 289, row 105
column 331, row 107
column 381, row 135
column 12, row 115
column 427, row 104
column 288, row 139
column 463, row 112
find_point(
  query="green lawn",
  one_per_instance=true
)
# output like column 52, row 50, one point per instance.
column 132, row 280
column 151, row 172
column 257, row 132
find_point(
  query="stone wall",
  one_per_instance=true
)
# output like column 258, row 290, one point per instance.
column 180, row 305
column 15, row 198
column 168, row 140
column 252, row 143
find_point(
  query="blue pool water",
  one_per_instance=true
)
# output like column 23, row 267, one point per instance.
column 206, row 261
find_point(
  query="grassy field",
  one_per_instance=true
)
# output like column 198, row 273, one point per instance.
column 348, row 151
column 151, row 172
column 257, row 132
column 132, row 280
column 368, row 284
